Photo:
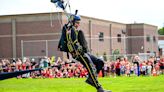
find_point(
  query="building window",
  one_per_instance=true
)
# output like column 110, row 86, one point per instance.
column 148, row 38
column 154, row 38
column 101, row 36
column 118, row 37
column 148, row 51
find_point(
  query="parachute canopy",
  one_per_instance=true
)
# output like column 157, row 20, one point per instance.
column 59, row 3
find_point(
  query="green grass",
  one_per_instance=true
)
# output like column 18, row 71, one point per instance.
column 119, row 84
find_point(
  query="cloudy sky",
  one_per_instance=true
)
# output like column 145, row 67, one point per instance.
column 125, row 11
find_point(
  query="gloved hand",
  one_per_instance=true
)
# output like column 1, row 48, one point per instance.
column 69, row 25
column 80, row 48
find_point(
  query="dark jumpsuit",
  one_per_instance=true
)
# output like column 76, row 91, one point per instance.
column 91, row 63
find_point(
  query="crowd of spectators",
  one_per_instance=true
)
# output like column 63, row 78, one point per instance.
column 135, row 67
column 58, row 68
column 50, row 68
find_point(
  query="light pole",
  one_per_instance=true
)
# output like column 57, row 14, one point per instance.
column 124, row 32
column 152, row 45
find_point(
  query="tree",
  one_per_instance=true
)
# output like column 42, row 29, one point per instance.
column 115, row 54
column 97, row 54
column 161, row 31
column 104, row 56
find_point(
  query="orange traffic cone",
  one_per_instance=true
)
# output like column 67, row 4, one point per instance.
column 154, row 72
column 100, row 74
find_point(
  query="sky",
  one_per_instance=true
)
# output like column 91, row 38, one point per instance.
column 124, row 11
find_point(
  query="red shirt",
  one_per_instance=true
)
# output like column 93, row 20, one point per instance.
column 118, row 65
column 23, row 67
column 70, row 74
column 162, row 62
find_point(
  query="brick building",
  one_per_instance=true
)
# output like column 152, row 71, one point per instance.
column 161, row 45
column 38, row 35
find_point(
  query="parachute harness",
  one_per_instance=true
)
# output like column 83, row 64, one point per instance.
column 76, row 52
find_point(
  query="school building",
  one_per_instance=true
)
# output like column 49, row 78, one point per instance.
column 36, row 35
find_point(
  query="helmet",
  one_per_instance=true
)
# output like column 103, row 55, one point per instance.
column 76, row 18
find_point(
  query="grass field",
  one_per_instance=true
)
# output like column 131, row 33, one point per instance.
column 119, row 84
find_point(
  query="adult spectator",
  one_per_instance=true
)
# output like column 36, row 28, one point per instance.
column 162, row 65
column 136, row 60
